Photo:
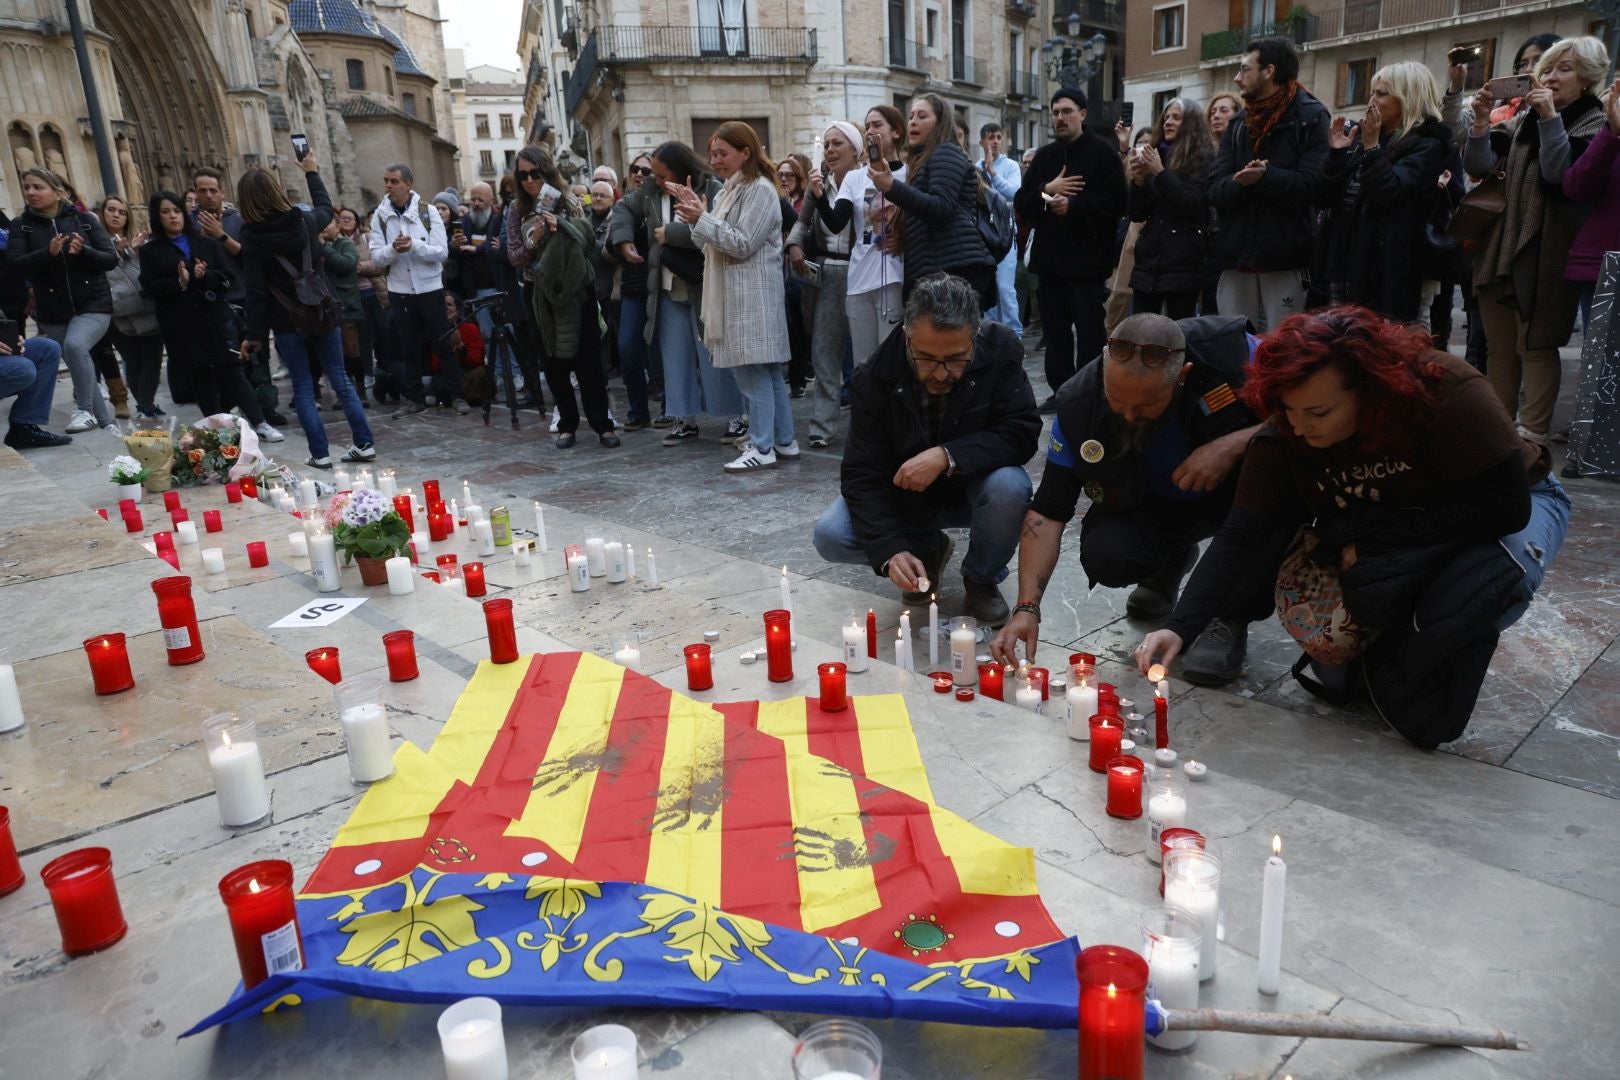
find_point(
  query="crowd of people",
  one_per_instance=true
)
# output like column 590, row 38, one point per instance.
column 1244, row 310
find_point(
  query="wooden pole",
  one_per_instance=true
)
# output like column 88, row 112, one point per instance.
column 1317, row 1026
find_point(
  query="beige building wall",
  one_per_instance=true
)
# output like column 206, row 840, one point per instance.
column 420, row 24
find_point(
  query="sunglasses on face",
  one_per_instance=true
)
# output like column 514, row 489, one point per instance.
column 1121, row 350
column 640, row 170
column 528, row 174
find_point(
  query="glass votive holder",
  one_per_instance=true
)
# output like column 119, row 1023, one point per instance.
column 472, row 576
column 257, row 553
column 1166, row 806
column 1041, row 679
column 1106, row 734
column 837, row 1048
column 264, row 921
column 448, row 566
column 605, row 1052
column 1171, row 941
column 779, row 645
column 433, row 576
column 942, row 680
column 472, row 1040
column 964, row 639
column 1113, row 1005
column 1192, row 881
column 1170, row 839
column 400, row 647
column 171, row 501
column 212, row 521
column 233, row 492
column 365, row 727
column 990, row 680
column 1125, row 787
column 699, row 666
column 163, row 541
column 109, row 663
column 232, row 745
column 834, row 692
column 501, row 630
column 626, row 648
column 11, row 871
column 85, row 899
column 325, row 662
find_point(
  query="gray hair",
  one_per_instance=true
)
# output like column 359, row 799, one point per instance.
column 403, row 169
column 947, row 301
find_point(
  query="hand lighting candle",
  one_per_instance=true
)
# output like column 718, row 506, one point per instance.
column 233, row 758
column 109, row 663
column 779, row 646
column 964, row 643
column 854, row 634
column 264, row 921
column 178, row 617
column 1113, row 1000
column 1272, row 888
column 400, row 646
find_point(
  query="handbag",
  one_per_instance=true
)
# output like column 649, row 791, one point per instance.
column 994, row 219
column 684, row 263
column 1310, row 605
column 312, row 308
column 1478, row 212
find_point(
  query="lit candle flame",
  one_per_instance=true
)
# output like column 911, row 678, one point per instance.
column 1156, row 673
column 1276, row 845
column 253, row 884
column 1111, row 990
column 225, row 735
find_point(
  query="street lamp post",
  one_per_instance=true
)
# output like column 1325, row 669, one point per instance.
column 1071, row 61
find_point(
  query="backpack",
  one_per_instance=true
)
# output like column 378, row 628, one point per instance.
column 994, row 219
column 313, row 307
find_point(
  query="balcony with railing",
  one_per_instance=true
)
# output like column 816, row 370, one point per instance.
column 967, row 69
column 1025, row 85
column 664, row 44
column 905, row 54
column 1094, row 15
column 1373, row 16
column 1022, row 9
column 1299, row 27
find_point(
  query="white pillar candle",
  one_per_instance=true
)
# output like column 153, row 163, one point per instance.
column 1167, row 809
column 239, row 782
column 1173, row 974
column 540, row 527
column 1198, row 890
column 455, row 515
column 964, row 660
column 628, row 656
column 213, row 560
column 474, row 512
column 596, row 556
column 630, row 558
column 652, row 570
column 933, row 640
column 1272, row 891
column 363, row 479
column 466, row 495
column 855, row 658
column 472, row 1041
column 341, row 479
column 186, row 532
column 902, row 654
column 11, row 712
column 401, row 579
column 1028, row 696
column 520, row 553
column 579, row 579
column 1082, row 701
column 387, row 486
column 323, row 561
column 613, row 555
column 365, row 733
column 905, row 625
column 297, row 541
column 484, row 533
column 787, row 592
column 306, row 492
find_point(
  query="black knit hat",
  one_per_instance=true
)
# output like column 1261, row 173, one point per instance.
column 1074, row 94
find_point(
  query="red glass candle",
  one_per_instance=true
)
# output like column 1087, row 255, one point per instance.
column 233, row 492
column 942, row 681
column 176, row 516
column 502, row 633
column 86, row 900
column 430, row 492
column 11, row 871
column 1088, row 659
column 164, row 541
column 325, row 663
column 834, row 694
column 1106, row 732
column 102, row 510
column 964, row 693
column 1113, row 1005
column 178, row 617
column 438, row 526
column 871, row 632
column 990, row 684
column 1176, row 838
column 699, row 667
column 473, row 575
column 1125, row 786
column 249, row 486
column 448, row 566
column 171, row 501
column 126, row 505
column 402, row 507
column 400, row 645
column 264, row 921
column 1161, row 720
column 211, row 521
column 779, row 645
column 132, row 521
column 433, row 576
column 171, row 556
column 1040, row 677
column 258, row 554
column 109, row 663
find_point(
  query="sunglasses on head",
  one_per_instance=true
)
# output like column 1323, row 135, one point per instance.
column 528, row 174
column 1121, row 350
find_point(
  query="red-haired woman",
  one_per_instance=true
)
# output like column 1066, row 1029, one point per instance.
column 1422, row 523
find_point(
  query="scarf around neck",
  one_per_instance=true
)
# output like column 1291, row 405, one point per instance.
column 1262, row 116
column 715, row 266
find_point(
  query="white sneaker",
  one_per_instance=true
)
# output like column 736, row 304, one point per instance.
column 789, row 450
column 268, row 433
column 752, row 459
column 81, row 421
column 555, row 420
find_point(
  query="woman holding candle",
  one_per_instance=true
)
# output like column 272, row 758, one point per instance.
column 1433, row 521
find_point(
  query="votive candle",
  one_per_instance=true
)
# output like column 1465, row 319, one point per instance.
column 400, row 647
column 264, row 920
column 699, row 667
column 1113, row 1001
column 473, row 576
column 834, row 692
column 325, row 662
column 177, row 614
column 257, row 553
column 1125, row 787
column 502, row 632
column 213, row 560
column 238, row 769
column 1106, row 733
column 109, row 663
column 85, row 899
column 778, row 646
column 990, row 680
column 233, row 492
column 211, row 521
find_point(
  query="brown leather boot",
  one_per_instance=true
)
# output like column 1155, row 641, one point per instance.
column 120, row 398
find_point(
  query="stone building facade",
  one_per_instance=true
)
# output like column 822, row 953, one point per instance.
column 489, row 123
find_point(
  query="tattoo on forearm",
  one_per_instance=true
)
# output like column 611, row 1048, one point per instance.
column 1032, row 525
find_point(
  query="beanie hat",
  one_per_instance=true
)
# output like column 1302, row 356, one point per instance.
column 449, row 199
column 1073, row 94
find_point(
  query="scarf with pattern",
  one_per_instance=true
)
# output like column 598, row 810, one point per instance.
column 1259, row 117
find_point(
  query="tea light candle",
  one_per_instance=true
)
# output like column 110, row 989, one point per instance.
column 1195, row 770
column 387, row 484
column 1272, row 885
column 1082, row 702
column 699, row 667
column 520, row 554
column 187, row 531
column 942, row 681
column 834, row 692
column 1171, row 942
column 596, row 556
column 854, row 635
column 299, row 543
column 264, row 921
column 401, row 580
column 1125, row 787
column 400, row 647
column 109, row 663
column 1156, row 674
column 213, row 560
column 324, row 662
column 990, row 680
column 449, row 566
column 1027, row 696
column 472, row 575
column 233, row 492
column 613, row 554
column 472, row 1041
column 579, row 577
column 212, row 522
column 11, row 710
column 964, row 693
column 233, row 758
column 484, row 533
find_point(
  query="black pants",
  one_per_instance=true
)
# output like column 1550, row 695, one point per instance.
column 104, row 356
column 256, row 368
column 1119, row 550
column 1175, row 305
column 421, row 327
column 196, row 341
column 1072, row 312
column 586, row 365
column 143, row 365
column 798, row 369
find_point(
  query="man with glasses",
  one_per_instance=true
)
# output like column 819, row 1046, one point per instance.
column 1151, row 432
column 942, row 420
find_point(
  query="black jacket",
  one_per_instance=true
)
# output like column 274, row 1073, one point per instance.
column 1079, row 245
column 479, row 269
column 990, row 422
column 288, row 235
column 1379, row 204
column 64, row 285
column 197, row 315
column 1267, row 225
column 940, row 204
column 1173, row 247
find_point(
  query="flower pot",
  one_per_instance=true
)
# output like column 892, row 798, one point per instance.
column 130, row 491
column 372, row 571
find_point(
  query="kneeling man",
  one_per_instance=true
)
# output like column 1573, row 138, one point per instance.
column 942, row 420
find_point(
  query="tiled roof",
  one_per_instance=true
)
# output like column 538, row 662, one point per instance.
column 404, row 60
column 359, row 106
column 346, row 17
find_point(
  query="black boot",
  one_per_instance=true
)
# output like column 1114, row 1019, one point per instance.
column 1155, row 596
column 33, row 437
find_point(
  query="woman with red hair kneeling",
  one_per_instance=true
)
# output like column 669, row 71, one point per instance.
column 1421, row 522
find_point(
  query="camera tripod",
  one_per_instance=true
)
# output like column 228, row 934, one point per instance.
column 503, row 341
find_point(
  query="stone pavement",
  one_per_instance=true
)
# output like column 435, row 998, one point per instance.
column 1475, row 885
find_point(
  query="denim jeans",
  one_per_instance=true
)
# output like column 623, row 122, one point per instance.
column 1006, row 309
column 486, row 326
column 421, row 327
column 770, row 413
column 692, row 384
column 1537, row 544
column 77, row 337
column 993, row 514
column 31, row 378
column 633, row 357
column 295, row 350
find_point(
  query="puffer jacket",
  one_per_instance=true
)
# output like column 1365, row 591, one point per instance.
column 64, row 285
column 1173, row 247
column 133, row 312
column 563, row 278
column 940, row 204
column 288, row 235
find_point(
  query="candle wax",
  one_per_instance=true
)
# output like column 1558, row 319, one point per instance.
column 239, row 783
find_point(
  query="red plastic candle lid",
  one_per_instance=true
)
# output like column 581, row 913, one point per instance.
column 942, row 681
column 964, row 693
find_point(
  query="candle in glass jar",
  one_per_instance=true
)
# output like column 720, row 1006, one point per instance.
column 1028, row 695
column 249, row 486
column 699, row 666
column 264, row 922
column 387, row 485
column 238, row 769
column 1082, row 702
column 834, row 692
column 613, row 555
column 212, row 522
column 325, row 662
column 299, row 543
column 779, row 646
column 132, row 521
column 365, row 728
column 608, row 1052
column 402, row 507
column 85, row 899
column 1106, row 733
column 233, row 492
column 964, row 644
column 471, row 1039
column 171, row 501
column 1166, row 808
column 400, row 647
column 187, row 532
column 109, row 663
column 163, row 541
column 596, row 556
column 438, row 525
column 1171, row 941
column 472, row 575
column 854, row 636
column 11, row 871
column 520, row 554
column 213, row 560
column 1192, row 881
column 449, row 566
column 323, row 563
column 1125, row 787
column 579, row 577
column 501, row 630
column 1113, row 990
column 990, row 680
column 177, row 614
column 401, row 580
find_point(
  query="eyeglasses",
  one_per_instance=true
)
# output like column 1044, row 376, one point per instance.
column 528, row 174
column 927, row 365
column 1121, row 350
column 640, row 170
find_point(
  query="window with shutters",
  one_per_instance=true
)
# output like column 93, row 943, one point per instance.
column 506, row 126
column 1355, row 82
column 1170, row 28
column 357, row 73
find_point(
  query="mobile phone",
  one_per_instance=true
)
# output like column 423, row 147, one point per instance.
column 872, row 152
column 300, row 145
column 1462, row 54
column 11, row 334
column 1508, row 87
column 1127, row 112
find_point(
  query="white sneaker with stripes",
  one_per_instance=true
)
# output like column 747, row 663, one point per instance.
column 752, row 459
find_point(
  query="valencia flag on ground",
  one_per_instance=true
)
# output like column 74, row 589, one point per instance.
column 580, row 834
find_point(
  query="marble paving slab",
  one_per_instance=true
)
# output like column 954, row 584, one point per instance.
column 1579, row 741
column 48, row 549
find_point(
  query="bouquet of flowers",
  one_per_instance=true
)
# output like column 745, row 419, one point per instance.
column 217, row 449
column 365, row 525
column 126, row 470
column 151, row 447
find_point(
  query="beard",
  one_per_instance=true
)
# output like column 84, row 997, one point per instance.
column 479, row 219
column 1133, row 436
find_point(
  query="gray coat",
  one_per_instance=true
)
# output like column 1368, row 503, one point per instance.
column 742, row 247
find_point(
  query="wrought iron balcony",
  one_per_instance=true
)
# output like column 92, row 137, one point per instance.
column 1024, row 84
column 1300, row 28
column 967, row 69
column 1022, row 9
column 1094, row 15
column 1372, row 16
column 662, row 44
column 905, row 53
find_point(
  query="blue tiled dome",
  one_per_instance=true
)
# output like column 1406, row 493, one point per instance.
column 346, row 17
column 404, row 60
